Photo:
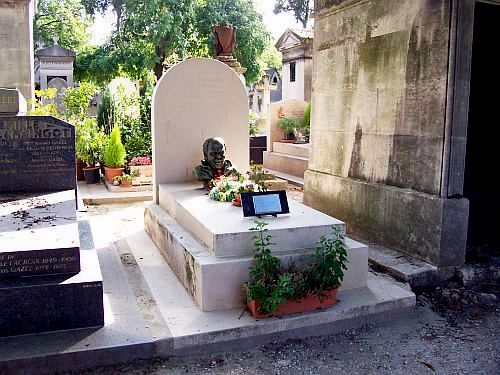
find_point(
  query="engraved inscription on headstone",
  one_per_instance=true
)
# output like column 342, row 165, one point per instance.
column 12, row 102
column 45, row 262
column 37, row 154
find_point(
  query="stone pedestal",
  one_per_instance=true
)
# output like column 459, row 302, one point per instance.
column 208, row 246
column 46, row 282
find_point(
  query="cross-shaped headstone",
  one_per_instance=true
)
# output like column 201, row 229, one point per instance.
column 266, row 87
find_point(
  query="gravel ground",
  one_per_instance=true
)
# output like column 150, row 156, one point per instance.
column 453, row 330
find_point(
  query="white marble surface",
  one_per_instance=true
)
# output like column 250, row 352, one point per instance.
column 221, row 227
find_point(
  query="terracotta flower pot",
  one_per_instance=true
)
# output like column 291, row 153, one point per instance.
column 126, row 183
column 110, row 173
column 237, row 200
column 310, row 302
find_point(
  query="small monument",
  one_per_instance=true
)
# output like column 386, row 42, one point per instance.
column 46, row 283
column 289, row 158
column 12, row 102
column 207, row 243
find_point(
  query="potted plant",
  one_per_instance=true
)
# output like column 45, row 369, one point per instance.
column 275, row 290
column 114, row 155
column 89, row 142
column 125, row 179
column 288, row 126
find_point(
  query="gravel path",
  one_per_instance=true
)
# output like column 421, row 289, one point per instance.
column 451, row 331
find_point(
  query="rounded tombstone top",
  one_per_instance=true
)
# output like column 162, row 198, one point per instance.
column 195, row 100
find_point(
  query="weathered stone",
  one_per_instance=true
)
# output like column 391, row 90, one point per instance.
column 425, row 226
column 37, row 153
column 195, row 100
column 12, row 102
column 380, row 105
column 16, row 45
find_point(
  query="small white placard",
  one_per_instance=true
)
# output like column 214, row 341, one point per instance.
column 265, row 204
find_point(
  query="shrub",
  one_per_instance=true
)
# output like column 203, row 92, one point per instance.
column 114, row 153
column 89, row 141
column 288, row 125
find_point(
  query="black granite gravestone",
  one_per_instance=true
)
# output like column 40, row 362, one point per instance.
column 46, row 283
column 37, row 153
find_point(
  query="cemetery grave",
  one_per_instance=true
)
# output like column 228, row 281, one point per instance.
column 46, row 282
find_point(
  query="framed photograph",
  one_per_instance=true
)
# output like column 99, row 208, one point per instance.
column 264, row 203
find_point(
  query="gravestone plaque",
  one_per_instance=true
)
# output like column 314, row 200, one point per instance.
column 12, row 102
column 37, row 153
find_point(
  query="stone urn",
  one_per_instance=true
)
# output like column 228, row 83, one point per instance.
column 224, row 38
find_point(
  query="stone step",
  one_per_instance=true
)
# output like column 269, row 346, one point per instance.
column 294, row 149
column 222, row 228
column 289, row 164
column 215, row 282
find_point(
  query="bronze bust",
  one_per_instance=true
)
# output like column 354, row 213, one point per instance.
column 214, row 163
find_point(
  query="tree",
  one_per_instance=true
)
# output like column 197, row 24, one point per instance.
column 101, row 6
column 66, row 19
column 157, row 33
column 251, row 36
column 301, row 9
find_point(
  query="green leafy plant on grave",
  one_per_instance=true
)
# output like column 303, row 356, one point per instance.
column 306, row 124
column 90, row 141
column 114, row 153
column 288, row 126
column 43, row 104
column 272, row 284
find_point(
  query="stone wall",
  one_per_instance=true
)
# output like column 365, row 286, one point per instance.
column 16, row 45
column 380, row 84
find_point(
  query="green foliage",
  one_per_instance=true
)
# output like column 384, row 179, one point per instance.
column 157, row 33
column 251, row 36
column 271, row 57
column 77, row 101
column 43, row 104
column 90, row 141
column 288, row 125
column 330, row 261
column 253, row 129
column 114, row 152
column 301, row 9
column 306, row 124
column 271, row 284
column 66, row 19
column 104, row 113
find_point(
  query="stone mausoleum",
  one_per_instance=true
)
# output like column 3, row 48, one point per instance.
column 403, row 126
column 16, row 45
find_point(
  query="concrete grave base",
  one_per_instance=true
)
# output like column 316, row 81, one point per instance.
column 38, row 234
column 215, row 282
column 425, row 226
column 53, row 303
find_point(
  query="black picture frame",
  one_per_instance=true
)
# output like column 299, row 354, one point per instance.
column 271, row 203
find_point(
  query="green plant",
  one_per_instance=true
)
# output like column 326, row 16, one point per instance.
column 252, row 124
column 114, row 153
column 89, row 141
column 306, row 124
column 272, row 284
column 43, row 104
column 126, row 176
column 258, row 175
column 288, row 125
column 77, row 101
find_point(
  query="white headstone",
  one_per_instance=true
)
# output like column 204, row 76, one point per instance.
column 195, row 100
column 60, row 85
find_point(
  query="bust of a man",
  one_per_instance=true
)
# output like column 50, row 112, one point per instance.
column 214, row 163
